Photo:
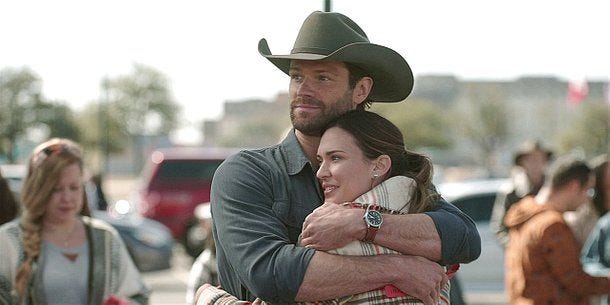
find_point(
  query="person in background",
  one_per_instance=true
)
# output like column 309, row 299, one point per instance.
column 205, row 268
column 9, row 208
column 584, row 219
column 260, row 198
column 54, row 255
column 596, row 251
column 527, row 178
column 95, row 193
column 542, row 257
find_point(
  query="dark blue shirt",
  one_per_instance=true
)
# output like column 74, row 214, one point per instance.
column 260, row 199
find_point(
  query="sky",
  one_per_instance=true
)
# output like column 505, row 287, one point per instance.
column 208, row 49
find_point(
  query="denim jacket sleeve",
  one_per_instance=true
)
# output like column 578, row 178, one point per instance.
column 256, row 256
column 460, row 240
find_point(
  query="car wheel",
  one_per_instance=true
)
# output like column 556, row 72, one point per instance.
column 195, row 238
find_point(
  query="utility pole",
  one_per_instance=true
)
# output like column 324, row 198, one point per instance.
column 327, row 5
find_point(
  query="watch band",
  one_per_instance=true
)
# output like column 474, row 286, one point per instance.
column 370, row 234
column 371, row 229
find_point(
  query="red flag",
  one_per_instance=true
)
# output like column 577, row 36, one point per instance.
column 577, row 91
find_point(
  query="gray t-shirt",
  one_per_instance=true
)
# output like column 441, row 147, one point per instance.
column 65, row 267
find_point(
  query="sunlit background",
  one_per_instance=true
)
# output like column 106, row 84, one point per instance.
column 206, row 50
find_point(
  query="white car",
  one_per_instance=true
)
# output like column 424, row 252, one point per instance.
column 482, row 281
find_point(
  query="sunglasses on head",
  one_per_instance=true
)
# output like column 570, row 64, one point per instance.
column 48, row 151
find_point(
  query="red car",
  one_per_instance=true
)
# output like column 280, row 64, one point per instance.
column 174, row 181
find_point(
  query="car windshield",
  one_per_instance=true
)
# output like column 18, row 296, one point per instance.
column 178, row 170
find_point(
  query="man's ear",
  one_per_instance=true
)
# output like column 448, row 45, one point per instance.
column 383, row 165
column 362, row 89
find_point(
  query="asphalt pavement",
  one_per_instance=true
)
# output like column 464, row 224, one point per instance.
column 169, row 286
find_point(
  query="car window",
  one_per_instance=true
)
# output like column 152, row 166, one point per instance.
column 478, row 207
column 181, row 170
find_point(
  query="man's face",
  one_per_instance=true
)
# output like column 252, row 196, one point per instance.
column 583, row 195
column 319, row 91
column 534, row 164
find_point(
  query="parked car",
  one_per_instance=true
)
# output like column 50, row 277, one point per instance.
column 148, row 242
column 483, row 278
column 14, row 174
column 173, row 183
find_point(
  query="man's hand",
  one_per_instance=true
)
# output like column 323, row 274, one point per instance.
column 417, row 277
column 332, row 226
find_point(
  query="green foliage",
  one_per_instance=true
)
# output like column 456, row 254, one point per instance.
column 138, row 104
column 139, row 97
column 20, row 93
column 590, row 131
column 422, row 123
column 485, row 119
column 100, row 130
column 59, row 119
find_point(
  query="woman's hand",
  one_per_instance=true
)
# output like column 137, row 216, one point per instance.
column 332, row 226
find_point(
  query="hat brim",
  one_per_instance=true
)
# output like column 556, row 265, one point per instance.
column 391, row 74
column 520, row 155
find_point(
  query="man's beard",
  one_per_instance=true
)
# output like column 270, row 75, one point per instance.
column 314, row 125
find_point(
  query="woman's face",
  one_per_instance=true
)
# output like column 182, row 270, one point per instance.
column 345, row 173
column 66, row 200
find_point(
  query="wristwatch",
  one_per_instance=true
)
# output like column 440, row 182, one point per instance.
column 373, row 220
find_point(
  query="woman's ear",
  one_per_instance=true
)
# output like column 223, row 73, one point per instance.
column 383, row 165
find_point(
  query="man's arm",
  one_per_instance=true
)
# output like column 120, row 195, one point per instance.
column 460, row 240
column 252, row 239
column 331, row 276
column 445, row 235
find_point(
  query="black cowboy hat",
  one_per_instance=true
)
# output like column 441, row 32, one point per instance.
column 333, row 36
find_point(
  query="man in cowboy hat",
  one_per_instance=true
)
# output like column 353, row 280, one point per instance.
column 527, row 175
column 260, row 198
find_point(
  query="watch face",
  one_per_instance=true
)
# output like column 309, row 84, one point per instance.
column 374, row 218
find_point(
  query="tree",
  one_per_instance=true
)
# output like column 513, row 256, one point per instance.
column 484, row 120
column 421, row 122
column 141, row 103
column 20, row 92
column 590, row 131
column 59, row 120
column 100, row 132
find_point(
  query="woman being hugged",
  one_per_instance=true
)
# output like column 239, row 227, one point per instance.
column 53, row 254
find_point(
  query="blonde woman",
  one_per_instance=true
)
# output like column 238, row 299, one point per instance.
column 53, row 254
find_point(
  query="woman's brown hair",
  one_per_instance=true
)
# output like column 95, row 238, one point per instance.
column 377, row 136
